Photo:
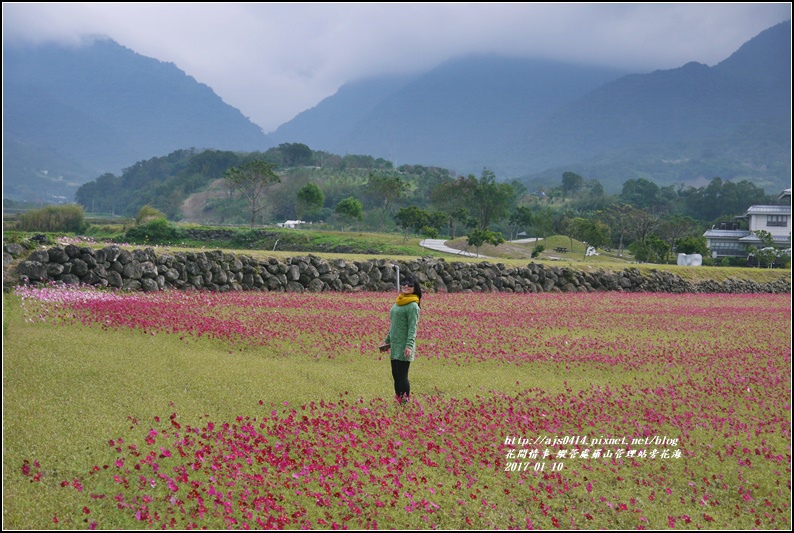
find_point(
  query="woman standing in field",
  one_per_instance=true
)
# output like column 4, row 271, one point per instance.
column 401, row 340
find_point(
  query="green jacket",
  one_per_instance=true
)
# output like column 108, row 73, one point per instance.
column 402, row 331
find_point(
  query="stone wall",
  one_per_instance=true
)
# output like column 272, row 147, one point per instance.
column 144, row 269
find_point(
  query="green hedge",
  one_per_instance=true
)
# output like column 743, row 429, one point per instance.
column 69, row 218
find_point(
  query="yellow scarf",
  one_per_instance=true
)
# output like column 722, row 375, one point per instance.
column 405, row 299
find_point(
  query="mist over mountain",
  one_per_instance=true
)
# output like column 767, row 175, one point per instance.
column 461, row 115
column 73, row 113
column 732, row 119
column 534, row 119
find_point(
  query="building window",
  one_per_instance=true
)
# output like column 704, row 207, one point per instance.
column 726, row 247
column 780, row 221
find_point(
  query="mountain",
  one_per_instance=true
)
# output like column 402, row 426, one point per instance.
column 322, row 126
column 73, row 113
column 738, row 111
column 458, row 115
column 535, row 119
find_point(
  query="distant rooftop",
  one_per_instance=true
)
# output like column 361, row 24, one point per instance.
column 754, row 239
column 725, row 233
column 769, row 210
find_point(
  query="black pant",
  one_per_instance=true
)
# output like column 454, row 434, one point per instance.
column 399, row 371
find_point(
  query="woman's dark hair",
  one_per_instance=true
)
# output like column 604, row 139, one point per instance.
column 410, row 280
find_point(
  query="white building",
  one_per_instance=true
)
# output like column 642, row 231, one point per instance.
column 729, row 241
column 292, row 224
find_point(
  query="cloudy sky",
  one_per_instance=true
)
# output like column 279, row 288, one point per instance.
column 274, row 60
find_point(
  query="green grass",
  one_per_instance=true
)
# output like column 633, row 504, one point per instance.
column 68, row 390
column 520, row 254
column 523, row 251
column 303, row 240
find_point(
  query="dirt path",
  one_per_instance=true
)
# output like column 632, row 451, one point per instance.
column 193, row 206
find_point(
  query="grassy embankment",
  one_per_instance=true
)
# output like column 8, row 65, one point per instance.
column 353, row 245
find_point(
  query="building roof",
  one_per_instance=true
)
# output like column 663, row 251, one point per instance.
column 726, row 233
column 753, row 239
column 769, row 210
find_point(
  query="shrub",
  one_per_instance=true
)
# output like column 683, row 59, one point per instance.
column 148, row 213
column 13, row 236
column 70, row 218
column 157, row 231
column 537, row 250
column 429, row 232
column 692, row 245
column 318, row 215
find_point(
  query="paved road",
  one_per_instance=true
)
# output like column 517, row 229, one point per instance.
column 439, row 245
column 525, row 241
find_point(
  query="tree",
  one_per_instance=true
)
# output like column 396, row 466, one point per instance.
column 520, row 218
column 461, row 216
column 641, row 194
column 437, row 219
column 643, row 223
column 711, row 199
column 596, row 189
column 296, row 154
column 478, row 237
column 100, row 195
column 409, row 218
column 618, row 218
column 590, row 232
column 571, row 183
column 543, row 221
column 562, row 223
column 350, row 208
column 767, row 253
column 288, row 155
column 492, row 199
column 651, row 250
column 455, row 197
column 386, row 190
column 252, row 180
column 310, row 198
column 692, row 245
column 719, row 199
column 674, row 227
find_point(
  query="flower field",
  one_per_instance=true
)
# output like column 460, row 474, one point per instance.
column 275, row 410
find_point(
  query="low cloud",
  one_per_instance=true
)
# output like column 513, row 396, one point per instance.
column 272, row 61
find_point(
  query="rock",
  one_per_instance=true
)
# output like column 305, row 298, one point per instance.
column 111, row 253
column 224, row 271
column 149, row 285
column 14, row 249
column 69, row 279
column 57, row 255
column 33, row 270
column 132, row 270
column 39, row 256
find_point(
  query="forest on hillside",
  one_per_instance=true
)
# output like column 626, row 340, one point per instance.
column 369, row 194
